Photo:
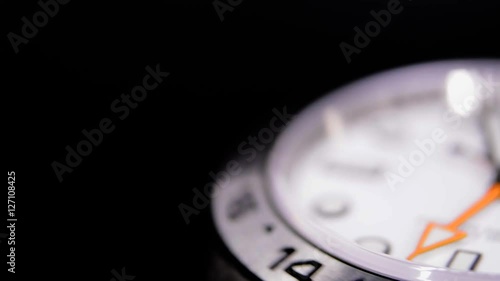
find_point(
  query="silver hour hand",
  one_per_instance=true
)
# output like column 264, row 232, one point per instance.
column 490, row 123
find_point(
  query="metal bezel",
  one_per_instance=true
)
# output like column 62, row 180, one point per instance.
column 256, row 248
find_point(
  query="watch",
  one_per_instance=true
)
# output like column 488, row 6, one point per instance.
column 392, row 177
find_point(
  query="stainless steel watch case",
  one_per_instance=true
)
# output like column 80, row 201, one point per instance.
column 257, row 235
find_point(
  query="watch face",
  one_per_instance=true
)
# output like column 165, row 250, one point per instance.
column 393, row 177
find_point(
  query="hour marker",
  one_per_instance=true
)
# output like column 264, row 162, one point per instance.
column 334, row 125
column 375, row 244
column 464, row 260
column 331, row 207
column 354, row 169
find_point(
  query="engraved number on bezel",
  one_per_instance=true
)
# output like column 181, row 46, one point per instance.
column 308, row 266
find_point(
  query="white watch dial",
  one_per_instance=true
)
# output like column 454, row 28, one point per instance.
column 404, row 175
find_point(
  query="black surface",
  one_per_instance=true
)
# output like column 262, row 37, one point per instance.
column 119, row 207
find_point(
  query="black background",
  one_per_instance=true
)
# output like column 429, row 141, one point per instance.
column 119, row 207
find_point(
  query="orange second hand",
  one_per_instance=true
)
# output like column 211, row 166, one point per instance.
column 486, row 200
